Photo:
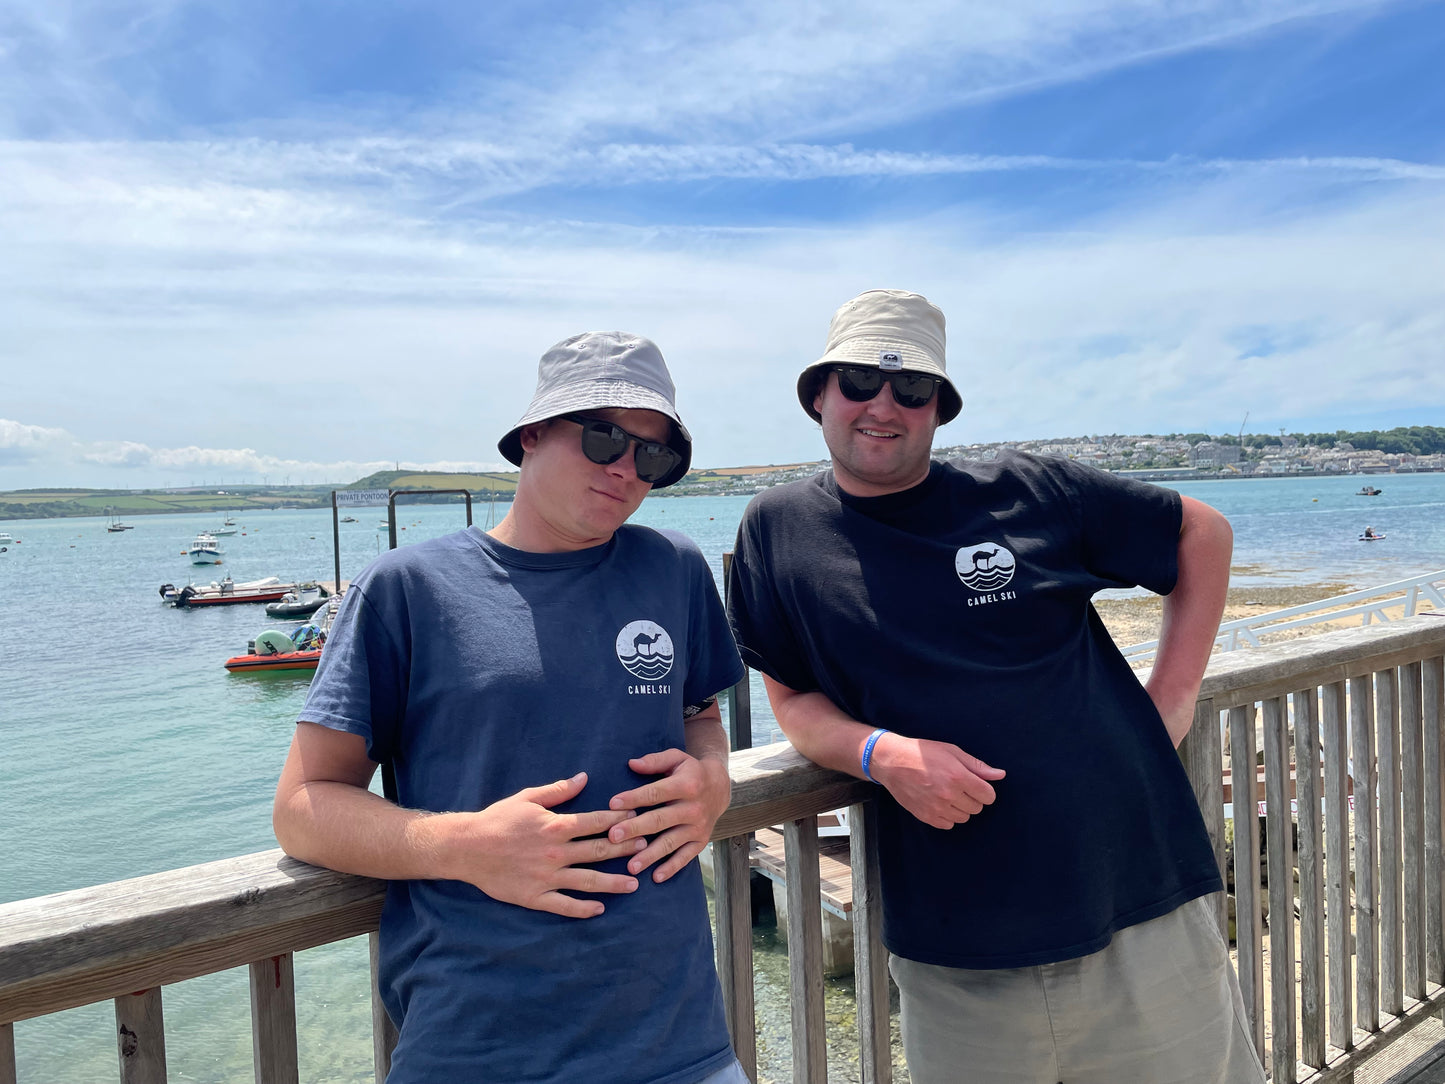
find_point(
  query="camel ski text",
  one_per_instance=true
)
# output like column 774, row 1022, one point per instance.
column 645, row 650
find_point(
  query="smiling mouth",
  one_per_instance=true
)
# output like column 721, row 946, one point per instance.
column 877, row 433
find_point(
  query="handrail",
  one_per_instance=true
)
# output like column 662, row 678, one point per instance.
column 1369, row 604
column 90, row 944
column 1366, row 700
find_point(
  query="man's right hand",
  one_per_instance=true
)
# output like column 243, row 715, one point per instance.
column 518, row 851
column 937, row 782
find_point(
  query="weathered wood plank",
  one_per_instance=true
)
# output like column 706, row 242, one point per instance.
column 1236, row 678
column 1342, row 1066
column 1248, row 920
column 75, row 948
column 1432, row 715
column 1334, row 727
column 1367, row 953
column 733, row 899
column 1387, row 757
column 141, row 1037
column 870, row 958
column 1284, row 1041
column 1412, row 829
column 7, row 1054
column 1203, row 760
column 383, row 1030
column 273, row 1020
column 805, row 952
column 1313, row 1050
column 774, row 784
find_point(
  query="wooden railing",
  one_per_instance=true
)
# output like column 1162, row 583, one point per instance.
column 1370, row 696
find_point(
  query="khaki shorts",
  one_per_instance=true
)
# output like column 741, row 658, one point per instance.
column 1160, row 1004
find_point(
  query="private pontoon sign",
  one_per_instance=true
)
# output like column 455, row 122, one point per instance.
column 356, row 497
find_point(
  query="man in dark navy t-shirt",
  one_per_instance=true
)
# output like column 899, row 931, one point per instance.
column 545, row 692
column 928, row 626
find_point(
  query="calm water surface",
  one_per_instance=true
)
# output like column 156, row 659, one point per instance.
column 130, row 750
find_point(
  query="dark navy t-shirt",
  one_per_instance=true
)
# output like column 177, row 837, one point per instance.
column 959, row 611
column 480, row 670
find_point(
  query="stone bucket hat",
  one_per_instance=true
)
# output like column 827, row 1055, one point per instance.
column 885, row 329
column 603, row 369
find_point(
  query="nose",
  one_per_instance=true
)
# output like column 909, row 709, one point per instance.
column 625, row 466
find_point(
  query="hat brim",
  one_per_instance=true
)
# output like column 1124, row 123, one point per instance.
column 865, row 352
column 598, row 395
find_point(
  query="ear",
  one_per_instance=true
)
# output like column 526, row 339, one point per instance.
column 531, row 434
column 822, row 386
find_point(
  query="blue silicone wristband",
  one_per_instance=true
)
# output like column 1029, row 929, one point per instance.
column 868, row 752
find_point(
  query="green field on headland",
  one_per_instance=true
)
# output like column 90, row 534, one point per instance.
column 1175, row 457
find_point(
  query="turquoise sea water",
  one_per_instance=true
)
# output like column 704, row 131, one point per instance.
column 130, row 750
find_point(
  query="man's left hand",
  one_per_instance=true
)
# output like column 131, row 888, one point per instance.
column 682, row 806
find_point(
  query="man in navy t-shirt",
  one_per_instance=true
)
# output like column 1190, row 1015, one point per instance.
column 545, row 693
column 928, row 626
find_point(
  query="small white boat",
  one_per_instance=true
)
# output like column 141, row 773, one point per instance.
column 221, row 530
column 205, row 550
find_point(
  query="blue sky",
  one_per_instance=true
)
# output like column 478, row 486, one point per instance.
column 247, row 240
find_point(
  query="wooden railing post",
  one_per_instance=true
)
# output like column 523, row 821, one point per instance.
column 1284, row 1035
column 141, row 1036
column 7, row 1054
column 1248, row 919
column 1367, row 952
column 870, row 958
column 1412, row 828
column 383, row 1030
column 1387, row 754
column 1313, row 1050
column 273, row 1020
column 1203, row 759
column 805, row 951
column 1337, row 863
column 1432, row 716
column 733, row 900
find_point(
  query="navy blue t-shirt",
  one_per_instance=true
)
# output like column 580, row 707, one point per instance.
column 480, row 670
column 959, row 611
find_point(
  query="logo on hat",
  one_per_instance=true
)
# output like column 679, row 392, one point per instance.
column 986, row 566
column 890, row 360
column 645, row 649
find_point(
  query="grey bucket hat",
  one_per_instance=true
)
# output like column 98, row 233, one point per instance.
column 890, row 330
column 603, row 369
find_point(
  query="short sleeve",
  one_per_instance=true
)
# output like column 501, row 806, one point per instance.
column 714, row 664
column 360, row 683
column 760, row 624
column 1130, row 528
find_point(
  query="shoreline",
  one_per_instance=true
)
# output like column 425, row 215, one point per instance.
column 1136, row 620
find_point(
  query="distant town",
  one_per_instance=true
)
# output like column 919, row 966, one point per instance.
column 1175, row 457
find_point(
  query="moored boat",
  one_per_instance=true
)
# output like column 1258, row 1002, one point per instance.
column 298, row 603
column 205, row 550
column 226, row 592
column 299, row 649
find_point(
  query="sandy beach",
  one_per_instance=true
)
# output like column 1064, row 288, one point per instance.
column 1136, row 620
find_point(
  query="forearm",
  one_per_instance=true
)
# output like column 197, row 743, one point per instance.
column 347, row 828
column 818, row 728
column 704, row 736
column 1191, row 614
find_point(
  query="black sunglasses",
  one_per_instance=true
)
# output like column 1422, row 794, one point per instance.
column 606, row 442
column 860, row 383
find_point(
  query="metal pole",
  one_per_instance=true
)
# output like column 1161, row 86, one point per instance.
column 336, row 541
column 391, row 519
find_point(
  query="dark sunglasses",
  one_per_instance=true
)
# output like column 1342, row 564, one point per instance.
column 860, row 383
column 606, row 442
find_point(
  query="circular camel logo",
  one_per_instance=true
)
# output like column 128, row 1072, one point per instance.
column 645, row 648
column 984, row 567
